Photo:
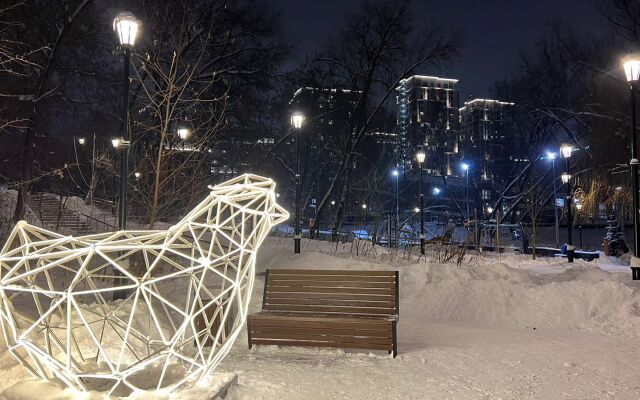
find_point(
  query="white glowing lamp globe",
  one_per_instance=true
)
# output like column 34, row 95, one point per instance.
column 364, row 206
column 489, row 210
column 297, row 119
column 417, row 209
column 421, row 156
column 184, row 133
column 115, row 143
column 126, row 25
column 565, row 178
column 81, row 140
column 632, row 69
column 565, row 151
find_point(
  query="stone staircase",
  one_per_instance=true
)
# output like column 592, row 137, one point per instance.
column 56, row 217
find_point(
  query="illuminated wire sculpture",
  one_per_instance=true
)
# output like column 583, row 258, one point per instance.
column 184, row 294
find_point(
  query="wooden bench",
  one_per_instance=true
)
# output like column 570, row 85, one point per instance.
column 328, row 308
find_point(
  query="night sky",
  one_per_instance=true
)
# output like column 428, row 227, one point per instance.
column 495, row 32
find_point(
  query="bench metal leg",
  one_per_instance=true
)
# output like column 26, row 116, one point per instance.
column 395, row 339
column 249, row 332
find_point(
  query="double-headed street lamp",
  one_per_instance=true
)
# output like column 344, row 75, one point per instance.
column 565, row 152
column 421, row 156
column 296, row 120
column 126, row 25
column 632, row 72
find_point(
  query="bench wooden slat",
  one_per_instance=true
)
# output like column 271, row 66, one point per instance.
column 341, row 345
column 322, row 338
column 330, row 302
column 329, row 330
column 279, row 271
column 331, row 284
column 277, row 289
column 340, row 278
column 328, row 308
column 334, row 296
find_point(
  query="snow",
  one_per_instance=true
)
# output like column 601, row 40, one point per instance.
column 495, row 327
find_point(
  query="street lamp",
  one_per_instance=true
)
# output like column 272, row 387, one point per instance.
column 465, row 168
column 396, row 173
column 565, row 152
column 421, row 157
column 183, row 133
column 296, row 120
column 126, row 25
column 81, row 141
column 632, row 73
column 552, row 156
column 436, row 191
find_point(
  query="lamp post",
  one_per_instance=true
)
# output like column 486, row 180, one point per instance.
column 396, row 224
column 465, row 168
column 632, row 72
column 552, row 156
column 296, row 120
column 126, row 25
column 565, row 152
column 420, row 157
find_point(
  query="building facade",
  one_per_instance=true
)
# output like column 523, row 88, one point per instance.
column 428, row 119
column 487, row 143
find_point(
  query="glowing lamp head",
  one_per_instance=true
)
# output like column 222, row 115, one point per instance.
column 333, row 202
column 417, row 209
column 551, row 155
column 364, row 206
column 565, row 178
column 436, row 191
column 566, row 150
column 126, row 25
column 395, row 172
column 184, row 133
column 632, row 68
column 465, row 166
column 579, row 206
column 421, row 156
column 81, row 140
column 619, row 188
column 489, row 210
column 297, row 119
column 137, row 175
column 115, row 142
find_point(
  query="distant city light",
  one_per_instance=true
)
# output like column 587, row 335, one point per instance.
column 619, row 188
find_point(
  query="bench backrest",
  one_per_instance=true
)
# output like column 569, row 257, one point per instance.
column 359, row 293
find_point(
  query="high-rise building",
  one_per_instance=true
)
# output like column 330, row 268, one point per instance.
column 428, row 119
column 488, row 144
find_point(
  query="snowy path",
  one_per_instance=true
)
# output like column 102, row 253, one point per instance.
column 445, row 361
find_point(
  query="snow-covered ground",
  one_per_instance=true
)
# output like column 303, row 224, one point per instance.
column 491, row 328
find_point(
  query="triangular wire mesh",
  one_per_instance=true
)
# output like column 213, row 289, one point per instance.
column 186, row 291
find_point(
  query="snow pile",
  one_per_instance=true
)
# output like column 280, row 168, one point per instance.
column 517, row 292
